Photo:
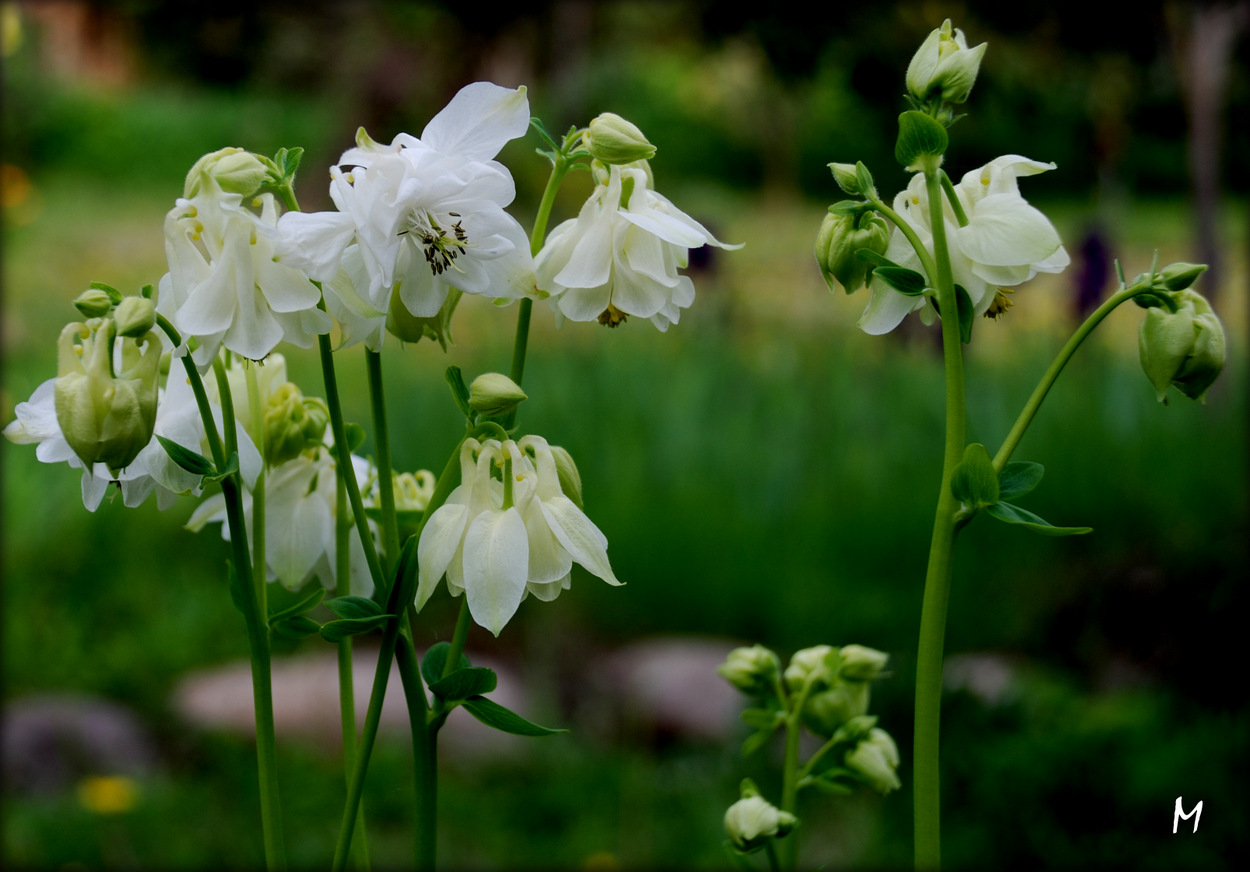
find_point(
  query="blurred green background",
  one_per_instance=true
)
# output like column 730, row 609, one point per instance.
column 764, row 471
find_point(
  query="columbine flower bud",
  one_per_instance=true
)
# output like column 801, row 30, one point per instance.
column 944, row 66
column 1185, row 348
column 860, row 663
column 875, row 760
column 94, row 303
column 135, row 316
column 752, row 821
column 291, row 424
column 106, row 418
column 840, row 237
column 236, row 172
column 817, row 665
column 846, row 177
column 752, row 670
column 825, row 711
column 493, row 394
column 568, row 476
column 1179, row 276
column 613, row 140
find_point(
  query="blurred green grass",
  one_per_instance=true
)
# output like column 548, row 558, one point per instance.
column 764, row 472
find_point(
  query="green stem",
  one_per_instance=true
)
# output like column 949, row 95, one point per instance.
column 953, row 199
column 938, row 575
column 790, row 776
column 382, row 447
column 926, row 259
column 424, row 752
column 1052, row 373
column 347, row 691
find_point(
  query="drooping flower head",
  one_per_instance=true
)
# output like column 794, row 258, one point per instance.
column 421, row 216
column 620, row 256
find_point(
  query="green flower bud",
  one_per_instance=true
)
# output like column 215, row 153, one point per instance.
column 944, row 67
column 493, row 394
column 409, row 328
column 94, row 303
column 840, row 237
column 752, row 821
column 613, row 140
column 106, row 418
column 817, row 665
column 236, row 172
column 860, row 663
column 875, row 761
column 1185, row 348
column 134, row 317
column 846, row 177
column 752, row 670
column 825, row 711
column 1179, row 276
column 291, row 424
column 566, row 472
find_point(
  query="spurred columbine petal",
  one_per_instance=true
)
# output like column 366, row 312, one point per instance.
column 438, row 545
column 581, row 538
column 496, row 563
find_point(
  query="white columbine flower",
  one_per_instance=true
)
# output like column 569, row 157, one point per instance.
column 621, row 254
column 421, row 216
column 225, row 285
column 1006, row 241
column 498, row 545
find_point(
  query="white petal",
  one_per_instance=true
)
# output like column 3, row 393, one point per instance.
column 496, row 561
column 886, row 309
column 315, row 241
column 439, row 541
column 1007, row 231
column 579, row 536
column 478, row 121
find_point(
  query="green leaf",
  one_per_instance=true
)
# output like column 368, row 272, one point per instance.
column 1010, row 514
column 232, row 466
column 763, row 719
column 464, row 683
column 191, row 461
column 967, row 314
column 354, row 607
column 460, row 391
column 291, row 160
column 1019, row 478
column 847, row 207
column 919, row 136
column 337, row 631
column 755, row 741
column 974, row 482
column 295, row 627
column 355, row 436
column 904, row 280
column 497, row 717
column 435, row 660
column 300, row 607
column 115, row 296
column 867, row 254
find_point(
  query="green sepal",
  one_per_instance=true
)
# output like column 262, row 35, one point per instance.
column 967, row 314
column 1019, row 478
column 115, row 296
column 295, row 627
column 763, row 719
column 289, row 159
column 460, row 392
column 1010, row 514
column 355, row 435
column 147, row 291
column 873, row 257
column 847, row 207
column 354, row 607
column 464, row 683
column 191, row 461
column 435, row 661
column 900, row 278
column 231, row 467
column 541, row 129
column 974, row 482
column 337, row 631
column 495, row 716
column 919, row 136
column 866, row 185
column 300, row 607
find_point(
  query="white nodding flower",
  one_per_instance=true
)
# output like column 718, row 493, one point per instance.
column 497, row 544
column 225, row 285
column 1006, row 241
column 620, row 256
column 421, row 216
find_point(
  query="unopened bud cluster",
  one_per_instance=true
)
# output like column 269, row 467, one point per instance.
column 1181, row 341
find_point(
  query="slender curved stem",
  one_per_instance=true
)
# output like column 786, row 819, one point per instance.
column 347, row 692
column 1052, row 373
column 424, row 751
column 938, row 575
column 789, row 853
column 382, row 448
column 926, row 259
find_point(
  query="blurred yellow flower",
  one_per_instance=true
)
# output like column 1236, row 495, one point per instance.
column 108, row 794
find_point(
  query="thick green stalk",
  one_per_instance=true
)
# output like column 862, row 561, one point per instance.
column 928, row 852
column 347, row 690
column 1052, row 373
column 382, row 450
column 424, row 752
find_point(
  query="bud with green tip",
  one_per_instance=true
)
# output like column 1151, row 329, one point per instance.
column 846, row 177
column 134, row 317
column 94, row 303
column 566, row 472
column 613, row 140
column 752, row 820
column 840, row 237
column 875, row 761
column 235, row 171
column 106, row 418
column 493, row 394
column 292, row 424
column 1179, row 276
column 860, row 663
column 848, row 693
column 1185, row 348
column 817, row 666
column 752, row 670
column 944, row 67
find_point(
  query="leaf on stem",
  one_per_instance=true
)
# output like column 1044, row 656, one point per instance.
column 464, row 683
column 460, row 392
column 295, row 627
column 435, row 661
column 493, row 715
column 919, row 136
column 300, row 607
column 337, row 631
column 974, row 482
column 1010, row 514
column 967, row 314
column 1019, row 478
column 231, row 467
column 191, row 461
column 354, row 607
